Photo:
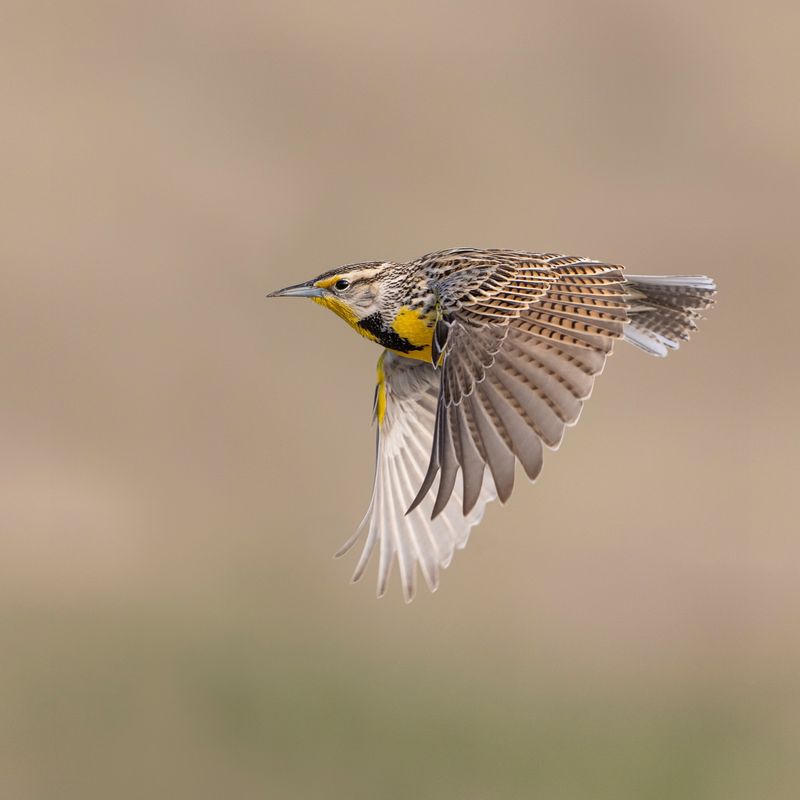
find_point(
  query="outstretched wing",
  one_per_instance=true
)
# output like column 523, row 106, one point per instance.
column 406, row 402
column 520, row 355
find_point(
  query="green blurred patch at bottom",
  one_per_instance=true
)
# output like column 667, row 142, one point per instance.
column 144, row 708
column 330, row 728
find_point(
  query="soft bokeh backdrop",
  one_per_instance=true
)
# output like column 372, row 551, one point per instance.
column 180, row 457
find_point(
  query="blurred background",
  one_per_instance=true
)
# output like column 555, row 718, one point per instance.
column 180, row 457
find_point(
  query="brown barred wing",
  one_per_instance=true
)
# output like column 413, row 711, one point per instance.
column 508, row 390
column 480, row 287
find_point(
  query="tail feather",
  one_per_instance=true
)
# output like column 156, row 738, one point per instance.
column 664, row 309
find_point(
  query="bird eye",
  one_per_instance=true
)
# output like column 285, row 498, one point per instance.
column 341, row 285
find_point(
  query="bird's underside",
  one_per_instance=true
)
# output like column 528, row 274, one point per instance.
column 518, row 341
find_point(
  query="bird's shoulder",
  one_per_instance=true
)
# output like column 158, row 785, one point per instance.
column 467, row 278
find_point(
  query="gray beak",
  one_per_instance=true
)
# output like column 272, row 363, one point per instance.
column 300, row 290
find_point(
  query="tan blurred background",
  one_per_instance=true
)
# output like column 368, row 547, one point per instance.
column 181, row 457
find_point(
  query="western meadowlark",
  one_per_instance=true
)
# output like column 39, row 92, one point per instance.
column 488, row 357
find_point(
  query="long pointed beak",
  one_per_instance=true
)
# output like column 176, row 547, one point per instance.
column 300, row 290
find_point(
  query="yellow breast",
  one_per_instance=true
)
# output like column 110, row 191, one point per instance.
column 417, row 329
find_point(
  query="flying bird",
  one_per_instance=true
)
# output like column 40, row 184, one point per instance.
column 488, row 357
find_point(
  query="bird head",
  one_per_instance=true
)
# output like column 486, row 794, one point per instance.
column 353, row 292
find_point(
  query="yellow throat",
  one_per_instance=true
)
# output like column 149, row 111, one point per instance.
column 410, row 334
